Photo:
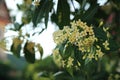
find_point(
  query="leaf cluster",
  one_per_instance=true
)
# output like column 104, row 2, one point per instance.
column 46, row 69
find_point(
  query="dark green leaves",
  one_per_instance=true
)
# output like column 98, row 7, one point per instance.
column 68, row 51
column 42, row 11
column 63, row 13
column 86, row 15
column 113, row 45
column 62, row 17
column 116, row 3
column 100, row 34
column 50, row 5
column 89, row 14
column 29, row 52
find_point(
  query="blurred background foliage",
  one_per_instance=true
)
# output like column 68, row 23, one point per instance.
column 43, row 11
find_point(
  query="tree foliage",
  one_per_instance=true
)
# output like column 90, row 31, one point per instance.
column 69, row 64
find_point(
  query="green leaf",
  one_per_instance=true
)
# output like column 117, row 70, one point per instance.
column 29, row 52
column 100, row 34
column 46, row 19
column 87, row 60
column 16, row 47
column 68, row 51
column 42, row 11
column 63, row 13
column 58, row 73
column 46, row 64
column 40, row 49
column 50, row 5
column 89, row 14
column 16, row 51
column 17, row 26
column 62, row 75
column 61, row 48
column 83, row 4
column 39, row 13
column 113, row 45
column 116, row 3
column 70, row 71
column 44, row 78
column 79, row 1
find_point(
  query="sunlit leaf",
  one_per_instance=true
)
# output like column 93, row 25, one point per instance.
column 16, row 46
column 2, row 44
column 40, row 49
